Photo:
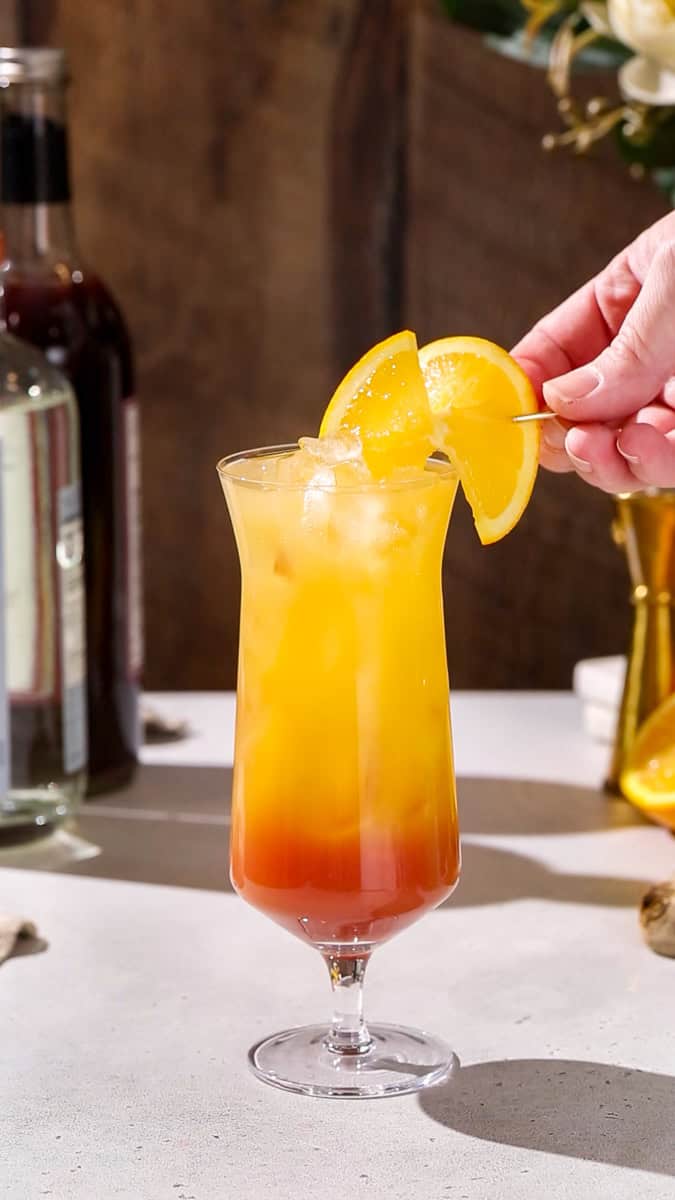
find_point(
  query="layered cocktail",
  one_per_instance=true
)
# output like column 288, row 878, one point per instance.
column 344, row 812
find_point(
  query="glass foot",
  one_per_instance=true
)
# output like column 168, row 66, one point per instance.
column 398, row 1060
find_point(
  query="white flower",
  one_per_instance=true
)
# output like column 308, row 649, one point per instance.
column 648, row 27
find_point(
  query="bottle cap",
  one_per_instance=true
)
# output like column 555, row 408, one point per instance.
column 34, row 152
column 34, row 147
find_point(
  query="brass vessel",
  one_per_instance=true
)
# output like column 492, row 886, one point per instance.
column 644, row 527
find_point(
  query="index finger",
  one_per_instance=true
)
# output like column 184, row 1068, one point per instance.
column 575, row 332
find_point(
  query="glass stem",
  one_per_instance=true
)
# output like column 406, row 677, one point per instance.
column 348, row 1033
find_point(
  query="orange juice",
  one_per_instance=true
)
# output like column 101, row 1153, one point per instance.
column 344, row 824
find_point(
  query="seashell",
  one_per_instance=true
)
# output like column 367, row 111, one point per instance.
column 657, row 918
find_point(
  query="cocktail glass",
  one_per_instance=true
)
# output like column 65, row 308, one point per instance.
column 344, row 820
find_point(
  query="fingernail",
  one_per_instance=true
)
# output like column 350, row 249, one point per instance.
column 631, row 458
column 581, row 464
column 574, row 386
column 553, row 436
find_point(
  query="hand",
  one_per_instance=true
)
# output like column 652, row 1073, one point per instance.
column 604, row 361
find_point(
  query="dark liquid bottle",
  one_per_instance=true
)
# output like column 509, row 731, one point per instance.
column 55, row 302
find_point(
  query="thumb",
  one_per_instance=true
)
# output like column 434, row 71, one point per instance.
column 631, row 371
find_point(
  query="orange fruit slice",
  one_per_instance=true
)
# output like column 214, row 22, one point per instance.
column 384, row 402
column 648, row 778
column 474, row 388
column 456, row 395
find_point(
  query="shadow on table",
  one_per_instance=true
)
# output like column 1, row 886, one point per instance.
column 170, row 826
column 491, row 876
column 585, row 1110
column 521, row 806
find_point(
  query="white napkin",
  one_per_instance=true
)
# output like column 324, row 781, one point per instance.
column 598, row 682
column 11, row 930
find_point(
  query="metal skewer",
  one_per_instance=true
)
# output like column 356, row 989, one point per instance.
column 538, row 416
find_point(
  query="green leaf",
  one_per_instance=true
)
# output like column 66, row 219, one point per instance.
column 502, row 17
column 601, row 55
column 605, row 55
column 533, row 52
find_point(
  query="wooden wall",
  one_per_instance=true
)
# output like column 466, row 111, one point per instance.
column 270, row 186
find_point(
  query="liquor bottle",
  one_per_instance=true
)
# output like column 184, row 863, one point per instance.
column 54, row 301
column 42, row 624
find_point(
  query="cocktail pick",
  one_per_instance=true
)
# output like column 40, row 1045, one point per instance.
column 546, row 415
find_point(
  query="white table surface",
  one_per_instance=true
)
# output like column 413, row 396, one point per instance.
column 122, row 1057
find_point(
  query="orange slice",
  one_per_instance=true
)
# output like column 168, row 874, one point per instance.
column 457, row 395
column 648, row 778
column 384, row 402
column 474, row 387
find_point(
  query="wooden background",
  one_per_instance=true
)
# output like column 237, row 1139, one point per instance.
column 272, row 185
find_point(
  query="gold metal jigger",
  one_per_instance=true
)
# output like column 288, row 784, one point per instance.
column 644, row 527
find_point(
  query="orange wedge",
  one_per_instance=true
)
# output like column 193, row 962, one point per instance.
column 456, row 395
column 474, row 388
column 648, row 778
column 384, row 402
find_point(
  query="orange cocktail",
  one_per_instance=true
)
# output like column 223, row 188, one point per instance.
column 344, row 815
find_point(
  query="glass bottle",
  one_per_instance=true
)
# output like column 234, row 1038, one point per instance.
column 54, row 301
column 645, row 529
column 43, row 740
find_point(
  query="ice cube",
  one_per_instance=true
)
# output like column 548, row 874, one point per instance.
column 296, row 468
column 351, row 474
column 322, row 477
column 346, row 447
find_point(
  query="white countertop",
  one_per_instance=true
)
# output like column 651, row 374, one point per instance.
column 123, row 1055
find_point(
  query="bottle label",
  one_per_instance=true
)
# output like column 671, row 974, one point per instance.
column 70, row 557
column 134, row 533
column 28, row 672
column 4, row 699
